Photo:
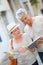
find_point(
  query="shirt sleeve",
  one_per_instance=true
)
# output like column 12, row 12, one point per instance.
column 28, row 39
column 29, row 31
column 26, row 29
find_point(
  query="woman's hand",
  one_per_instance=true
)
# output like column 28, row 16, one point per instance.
column 23, row 49
column 31, row 49
column 11, row 58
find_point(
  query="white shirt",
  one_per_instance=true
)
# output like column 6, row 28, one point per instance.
column 28, row 30
column 36, row 29
column 38, row 25
column 28, row 56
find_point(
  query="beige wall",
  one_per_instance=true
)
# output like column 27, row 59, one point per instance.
column 36, row 9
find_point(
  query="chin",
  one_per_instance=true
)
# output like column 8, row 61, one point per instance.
column 17, row 34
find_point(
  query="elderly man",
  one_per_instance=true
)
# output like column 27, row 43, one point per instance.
column 34, row 27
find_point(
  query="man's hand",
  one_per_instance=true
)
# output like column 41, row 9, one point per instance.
column 40, row 41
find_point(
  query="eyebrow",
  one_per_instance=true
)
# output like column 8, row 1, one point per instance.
column 23, row 18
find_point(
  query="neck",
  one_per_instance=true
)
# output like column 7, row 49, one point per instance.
column 19, row 38
column 31, row 23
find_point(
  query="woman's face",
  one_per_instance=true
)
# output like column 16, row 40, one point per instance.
column 26, row 20
column 16, row 32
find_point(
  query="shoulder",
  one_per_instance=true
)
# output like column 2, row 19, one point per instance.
column 11, row 41
column 38, row 23
column 39, row 18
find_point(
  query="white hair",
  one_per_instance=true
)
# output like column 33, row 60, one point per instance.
column 20, row 12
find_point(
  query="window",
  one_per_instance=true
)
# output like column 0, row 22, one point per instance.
column 42, row 1
column 42, row 11
column 0, row 39
column 26, row 5
column 4, row 5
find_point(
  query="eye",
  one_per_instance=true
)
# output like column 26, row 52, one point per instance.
column 25, row 18
column 17, row 28
column 22, row 20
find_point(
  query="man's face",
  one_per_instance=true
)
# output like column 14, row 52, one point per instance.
column 27, row 20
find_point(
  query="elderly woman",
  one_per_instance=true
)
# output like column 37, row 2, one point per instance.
column 34, row 27
column 19, row 43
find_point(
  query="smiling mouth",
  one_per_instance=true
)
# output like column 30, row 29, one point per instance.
column 18, row 33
